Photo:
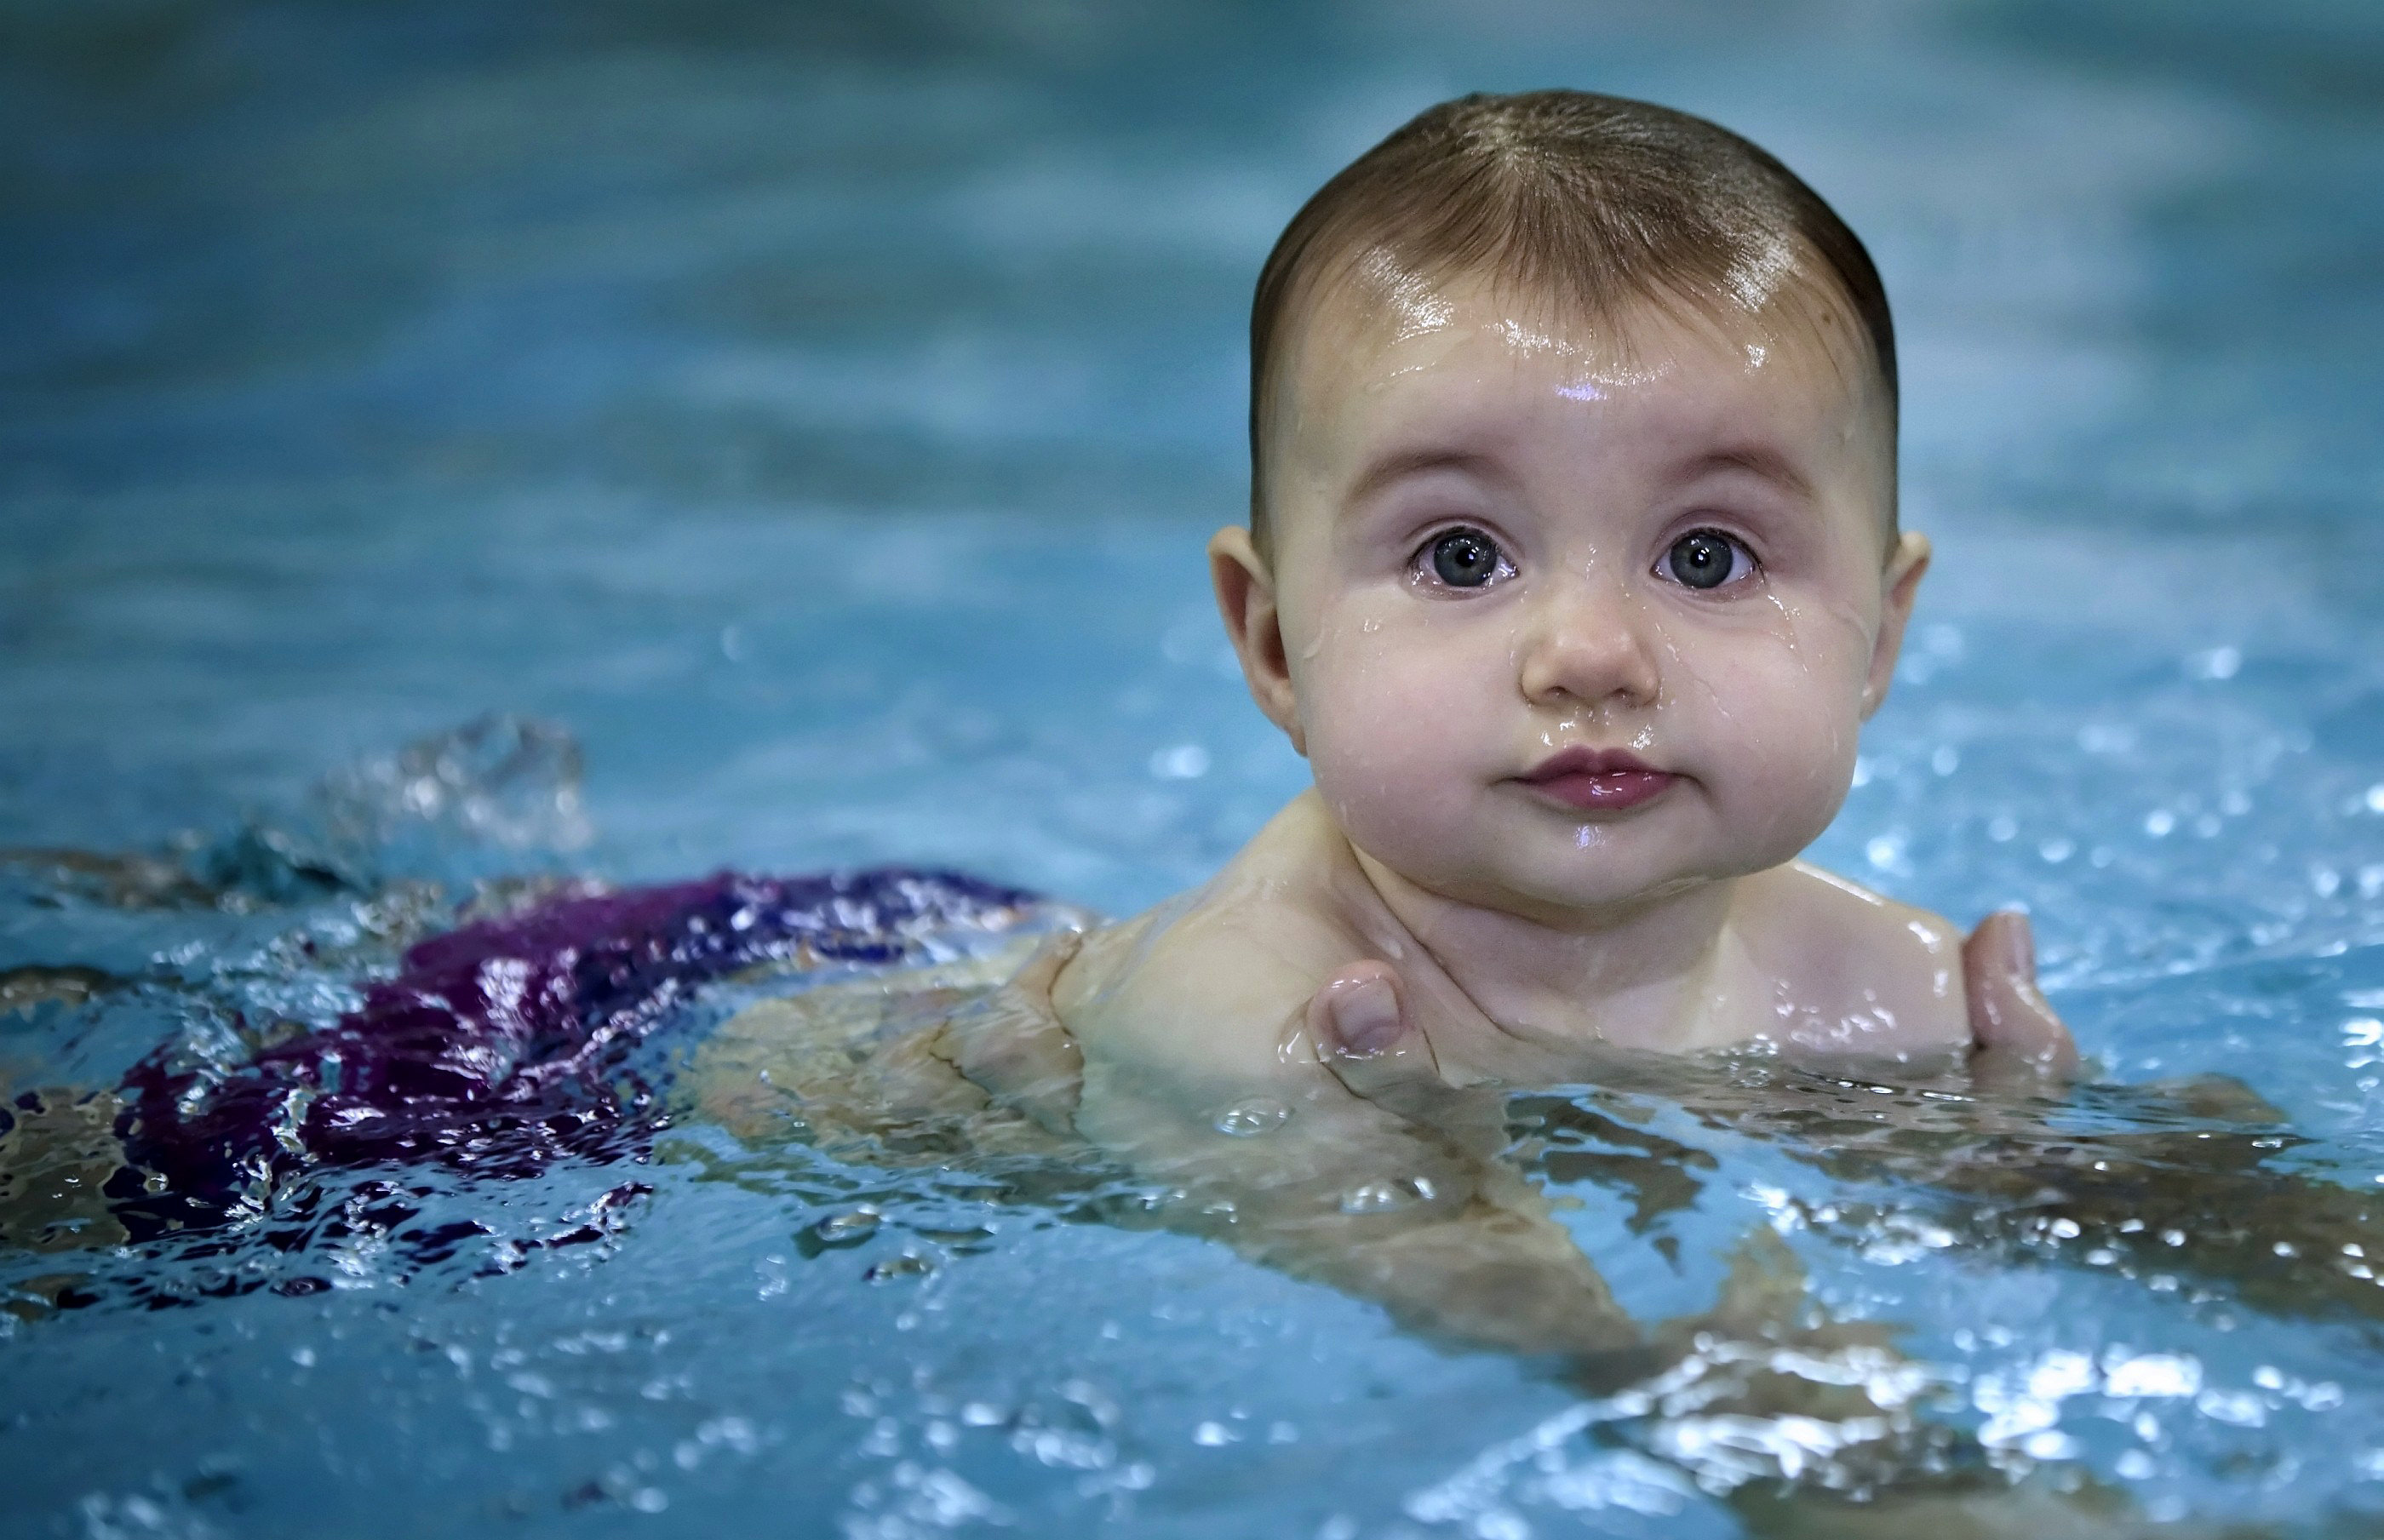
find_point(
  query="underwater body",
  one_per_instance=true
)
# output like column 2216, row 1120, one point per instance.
column 798, row 430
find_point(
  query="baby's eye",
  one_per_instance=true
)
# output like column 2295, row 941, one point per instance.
column 1705, row 559
column 1466, row 558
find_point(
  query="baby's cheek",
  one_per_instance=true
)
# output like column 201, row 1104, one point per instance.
column 1772, row 725
column 1380, row 732
column 1392, row 739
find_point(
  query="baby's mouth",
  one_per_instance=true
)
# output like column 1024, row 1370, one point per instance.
column 1597, row 781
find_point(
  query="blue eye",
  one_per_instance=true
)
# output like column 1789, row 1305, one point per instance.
column 1706, row 559
column 1466, row 558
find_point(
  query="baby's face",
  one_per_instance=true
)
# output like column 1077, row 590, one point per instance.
column 1570, row 621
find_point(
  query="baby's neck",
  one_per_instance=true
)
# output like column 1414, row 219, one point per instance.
column 1639, row 975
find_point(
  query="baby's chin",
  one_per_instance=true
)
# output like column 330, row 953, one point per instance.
column 1561, row 894
column 1506, row 850
column 1542, row 870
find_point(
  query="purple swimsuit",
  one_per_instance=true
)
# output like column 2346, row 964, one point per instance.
column 499, row 1048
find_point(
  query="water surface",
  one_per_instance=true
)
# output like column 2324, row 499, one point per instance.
column 815, row 413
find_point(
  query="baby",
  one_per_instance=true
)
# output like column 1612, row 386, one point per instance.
column 1574, row 570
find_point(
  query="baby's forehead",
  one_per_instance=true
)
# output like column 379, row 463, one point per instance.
column 1367, row 322
column 1375, row 303
column 1388, row 367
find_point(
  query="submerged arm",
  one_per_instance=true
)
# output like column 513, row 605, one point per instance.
column 2177, row 1184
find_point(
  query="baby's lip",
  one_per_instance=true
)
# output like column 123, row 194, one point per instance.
column 1597, row 779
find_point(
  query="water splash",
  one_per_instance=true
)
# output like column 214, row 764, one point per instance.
column 512, row 782
column 498, row 1049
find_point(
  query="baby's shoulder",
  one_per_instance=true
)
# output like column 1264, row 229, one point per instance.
column 1215, row 978
column 1213, row 984
column 1850, row 970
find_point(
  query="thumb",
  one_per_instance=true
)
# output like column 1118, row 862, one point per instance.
column 2012, row 1022
column 1368, row 1038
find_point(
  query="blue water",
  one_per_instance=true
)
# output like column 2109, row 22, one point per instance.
column 816, row 412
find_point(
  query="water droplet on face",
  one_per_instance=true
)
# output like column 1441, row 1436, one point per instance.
column 1386, row 1197
column 1245, row 1120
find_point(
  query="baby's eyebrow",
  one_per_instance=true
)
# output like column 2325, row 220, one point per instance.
column 1757, row 459
column 1415, row 462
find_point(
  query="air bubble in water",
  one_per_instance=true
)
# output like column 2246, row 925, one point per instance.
column 1381, row 1198
column 846, row 1229
column 1245, row 1120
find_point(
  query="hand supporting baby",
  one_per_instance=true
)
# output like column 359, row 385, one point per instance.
column 1369, row 1037
column 1478, row 1259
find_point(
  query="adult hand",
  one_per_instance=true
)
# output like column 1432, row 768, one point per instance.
column 1010, row 1043
column 1366, row 1034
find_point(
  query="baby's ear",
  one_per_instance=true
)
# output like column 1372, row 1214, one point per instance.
column 1905, row 566
column 1246, row 598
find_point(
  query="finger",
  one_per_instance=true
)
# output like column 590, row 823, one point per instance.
column 1369, row 1040
column 1359, row 1021
column 2011, row 1022
column 1010, row 1043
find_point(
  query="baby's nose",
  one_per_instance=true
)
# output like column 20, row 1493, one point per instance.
column 1589, row 639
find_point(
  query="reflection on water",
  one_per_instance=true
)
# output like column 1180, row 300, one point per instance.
column 817, row 410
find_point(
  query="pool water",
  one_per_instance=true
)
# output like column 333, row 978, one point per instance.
column 447, row 448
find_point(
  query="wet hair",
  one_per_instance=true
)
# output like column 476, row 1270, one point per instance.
column 1598, row 202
